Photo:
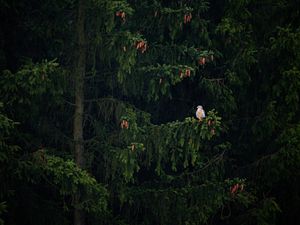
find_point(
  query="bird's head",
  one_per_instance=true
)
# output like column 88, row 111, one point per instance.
column 199, row 107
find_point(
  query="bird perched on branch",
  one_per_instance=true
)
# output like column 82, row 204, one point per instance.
column 200, row 113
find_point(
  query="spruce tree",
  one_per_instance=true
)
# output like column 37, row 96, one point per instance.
column 158, row 170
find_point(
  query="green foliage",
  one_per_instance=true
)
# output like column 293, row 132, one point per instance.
column 193, row 204
column 60, row 174
column 6, row 124
column 281, row 161
column 69, row 179
column 179, row 156
column 32, row 80
column 176, row 143
column 6, row 153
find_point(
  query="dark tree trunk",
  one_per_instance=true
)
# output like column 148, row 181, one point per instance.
column 79, row 102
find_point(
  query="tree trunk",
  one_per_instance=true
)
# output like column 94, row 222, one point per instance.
column 79, row 103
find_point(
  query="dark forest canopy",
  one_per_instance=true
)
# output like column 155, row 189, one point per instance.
column 97, row 112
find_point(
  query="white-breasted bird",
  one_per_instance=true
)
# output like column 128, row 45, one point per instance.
column 200, row 113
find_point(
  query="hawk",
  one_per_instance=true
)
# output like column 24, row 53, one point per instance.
column 200, row 114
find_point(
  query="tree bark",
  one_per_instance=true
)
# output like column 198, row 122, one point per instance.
column 79, row 74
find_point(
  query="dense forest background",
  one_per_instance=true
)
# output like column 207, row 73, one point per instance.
column 98, row 102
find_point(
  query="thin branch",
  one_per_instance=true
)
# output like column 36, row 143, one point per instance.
column 69, row 103
column 214, row 79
